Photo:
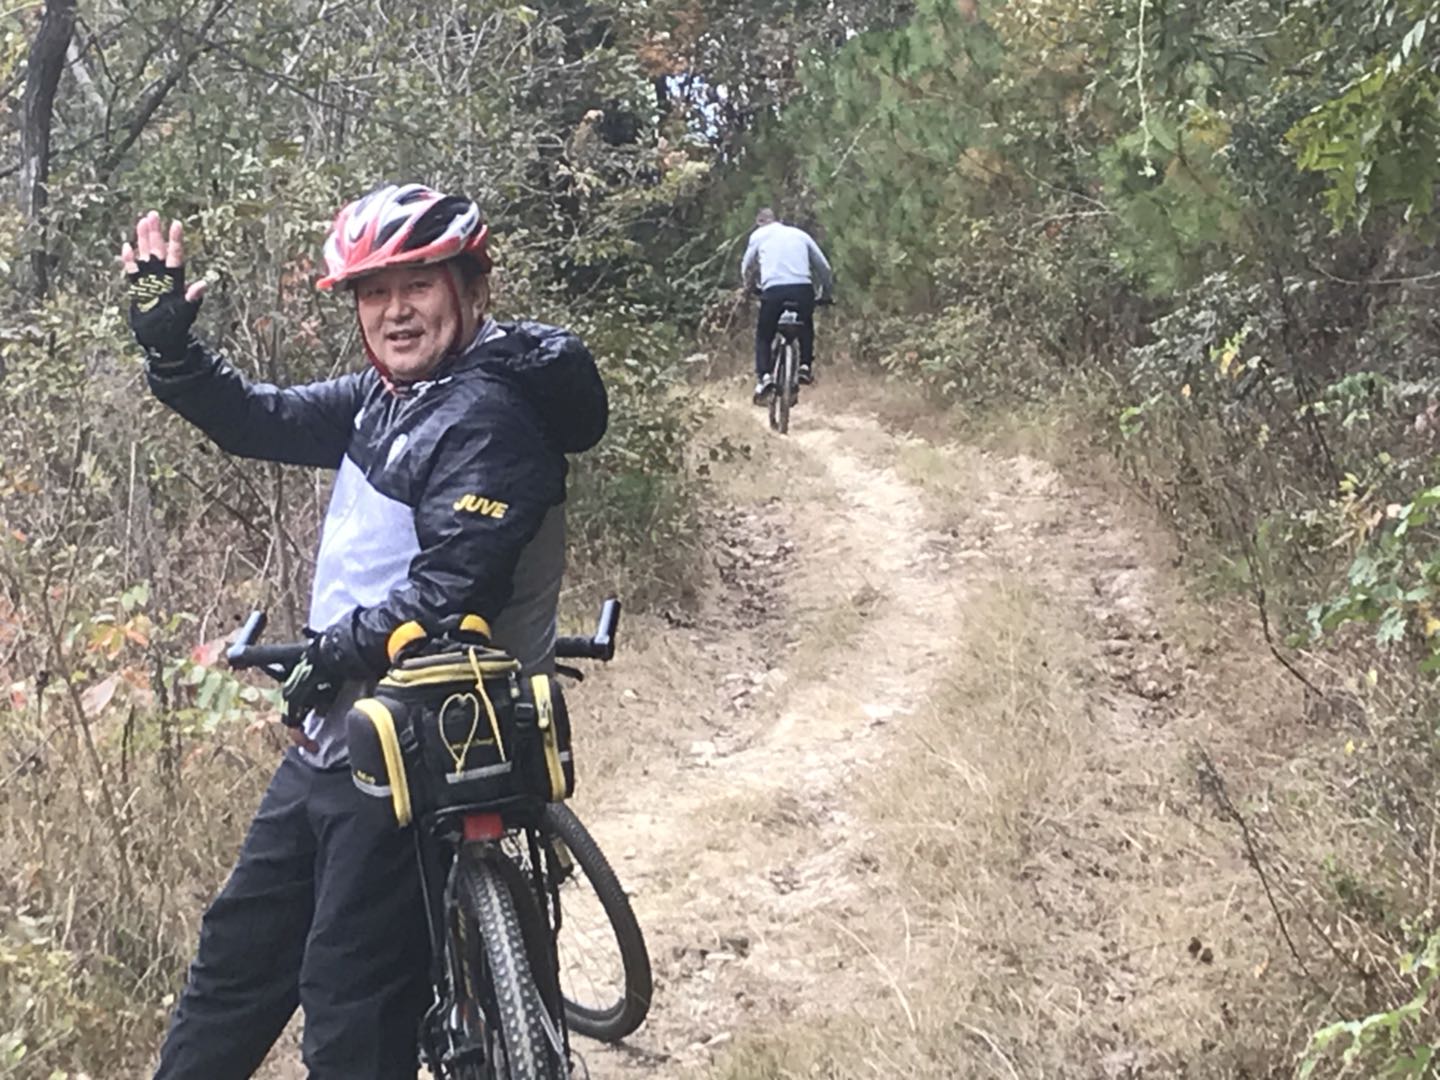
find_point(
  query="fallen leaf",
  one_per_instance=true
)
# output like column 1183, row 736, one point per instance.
column 100, row 695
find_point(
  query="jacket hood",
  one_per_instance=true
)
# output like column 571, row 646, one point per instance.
column 555, row 372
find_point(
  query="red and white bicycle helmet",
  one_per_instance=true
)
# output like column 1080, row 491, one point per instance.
column 408, row 225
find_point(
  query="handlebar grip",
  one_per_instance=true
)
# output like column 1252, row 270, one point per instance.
column 599, row 647
column 576, row 648
column 285, row 655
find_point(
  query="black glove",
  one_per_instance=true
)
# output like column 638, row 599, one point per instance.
column 160, row 316
column 311, row 684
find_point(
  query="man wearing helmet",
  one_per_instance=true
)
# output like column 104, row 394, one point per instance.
column 323, row 907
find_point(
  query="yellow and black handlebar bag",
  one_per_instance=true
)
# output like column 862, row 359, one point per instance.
column 462, row 729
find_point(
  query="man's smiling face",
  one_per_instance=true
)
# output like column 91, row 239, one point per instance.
column 410, row 318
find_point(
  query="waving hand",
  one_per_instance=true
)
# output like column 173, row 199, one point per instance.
column 162, row 309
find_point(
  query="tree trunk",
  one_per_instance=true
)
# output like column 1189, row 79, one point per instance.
column 42, row 78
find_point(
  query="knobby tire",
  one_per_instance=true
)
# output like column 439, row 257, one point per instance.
column 784, row 387
column 777, row 348
column 492, row 903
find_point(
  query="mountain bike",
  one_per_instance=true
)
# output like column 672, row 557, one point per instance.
column 493, row 880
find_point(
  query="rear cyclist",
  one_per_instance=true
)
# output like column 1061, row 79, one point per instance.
column 788, row 266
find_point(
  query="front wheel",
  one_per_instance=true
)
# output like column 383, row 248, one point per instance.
column 524, row 1040
column 605, row 972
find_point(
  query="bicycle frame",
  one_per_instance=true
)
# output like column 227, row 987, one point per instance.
column 787, row 336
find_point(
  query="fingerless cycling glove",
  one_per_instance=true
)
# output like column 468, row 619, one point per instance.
column 160, row 316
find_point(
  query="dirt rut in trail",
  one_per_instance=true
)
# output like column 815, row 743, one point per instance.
column 741, row 840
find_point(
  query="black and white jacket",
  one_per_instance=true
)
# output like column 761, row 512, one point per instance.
column 449, row 496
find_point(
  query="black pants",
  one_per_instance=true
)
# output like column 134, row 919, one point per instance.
column 772, row 305
column 323, row 910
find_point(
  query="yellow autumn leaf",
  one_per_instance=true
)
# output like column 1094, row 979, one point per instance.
column 1185, row 390
column 1349, row 746
column 1372, row 677
column 1432, row 626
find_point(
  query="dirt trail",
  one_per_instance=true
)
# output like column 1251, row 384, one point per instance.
column 736, row 780
column 747, row 835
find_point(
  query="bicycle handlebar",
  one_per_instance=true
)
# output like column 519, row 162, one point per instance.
column 601, row 646
column 249, row 633
column 285, row 655
column 277, row 660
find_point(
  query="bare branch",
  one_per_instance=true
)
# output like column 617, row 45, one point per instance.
column 160, row 90
column 76, row 63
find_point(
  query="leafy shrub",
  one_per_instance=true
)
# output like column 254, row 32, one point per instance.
column 1394, row 583
column 633, row 497
column 1384, row 1043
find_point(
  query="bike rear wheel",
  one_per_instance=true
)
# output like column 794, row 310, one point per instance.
column 777, row 349
column 525, row 1040
column 605, row 974
column 781, row 399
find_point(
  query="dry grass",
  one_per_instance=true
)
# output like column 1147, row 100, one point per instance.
column 932, row 962
column 748, row 464
column 831, row 622
column 900, row 406
column 97, row 932
column 1042, row 872
column 951, row 476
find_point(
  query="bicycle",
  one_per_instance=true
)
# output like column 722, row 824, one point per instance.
column 614, row 1007
column 492, row 879
column 785, row 365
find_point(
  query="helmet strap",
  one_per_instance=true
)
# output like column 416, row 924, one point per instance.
column 452, row 275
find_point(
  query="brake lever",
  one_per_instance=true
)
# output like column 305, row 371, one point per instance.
column 570, row 672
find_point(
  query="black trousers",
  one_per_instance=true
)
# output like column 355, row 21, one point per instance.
column 772, row 305
column 323, row 910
